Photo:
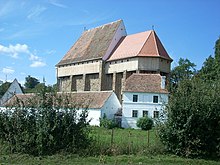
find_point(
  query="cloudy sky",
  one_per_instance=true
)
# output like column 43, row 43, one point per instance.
column 35, row 35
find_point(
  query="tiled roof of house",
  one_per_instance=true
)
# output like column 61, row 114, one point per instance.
column 92, row 44
column 90, row 99
column 150, row 83
column 144, row 44
column 94, row 100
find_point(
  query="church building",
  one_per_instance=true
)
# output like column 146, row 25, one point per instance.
column 103, row 58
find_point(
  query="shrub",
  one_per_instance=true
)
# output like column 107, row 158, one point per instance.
column 108, row 123
column 53, row 125
column 193, row 125
column 145, row 123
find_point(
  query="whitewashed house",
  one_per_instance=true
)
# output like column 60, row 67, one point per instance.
column 97, row 103
column 144, row 95
column 13, row 89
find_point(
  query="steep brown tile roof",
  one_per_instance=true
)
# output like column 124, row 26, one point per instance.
column 150, row 83
column 94, row 100
column 92, row 44
column 144, row 44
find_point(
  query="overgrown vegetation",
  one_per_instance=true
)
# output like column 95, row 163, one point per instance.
column 193, row 125
column 44, row 125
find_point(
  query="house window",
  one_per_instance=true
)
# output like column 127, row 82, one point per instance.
column 134, row 113
column 156, row 114
column 145, row 113
column 155, row 99
column 135, row 98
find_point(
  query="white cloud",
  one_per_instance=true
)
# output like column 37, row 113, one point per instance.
column 8, row 70
column 36, row 12
column 50, row 51
column 33, row 57
column 14, row 50
column 57, row 4
column 37, row 64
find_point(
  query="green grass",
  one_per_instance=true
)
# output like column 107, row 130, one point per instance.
column 16, row 159
column 125, row 141
column 128, row 146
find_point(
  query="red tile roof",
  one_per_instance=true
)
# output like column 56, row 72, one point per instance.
column 92, row 44
column 150, row 83
column 144, row 44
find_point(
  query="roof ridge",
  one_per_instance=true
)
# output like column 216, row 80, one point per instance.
column 103, row 25
column 155, row 43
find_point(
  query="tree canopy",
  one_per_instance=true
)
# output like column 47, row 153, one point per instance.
column 30, row 82
column 193, row 125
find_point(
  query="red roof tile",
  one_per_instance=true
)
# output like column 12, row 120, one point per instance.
column 150, row 83
column 145, row 44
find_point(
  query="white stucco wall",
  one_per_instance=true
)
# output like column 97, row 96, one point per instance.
column 120, row 32
column 144, row 103
column 110, row 107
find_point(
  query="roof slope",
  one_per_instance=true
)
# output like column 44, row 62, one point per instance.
column 94, row 100
column 144, row 44
column 92, row 44
column 150, row 83
column 13, row 89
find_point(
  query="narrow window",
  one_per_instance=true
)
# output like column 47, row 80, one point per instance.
column 135, row 98
column 134, row 113
column 156, row 114
column 155, row 99
column 145, row 113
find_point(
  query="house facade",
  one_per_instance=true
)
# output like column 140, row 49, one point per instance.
column 144, row 95
column 97, row 103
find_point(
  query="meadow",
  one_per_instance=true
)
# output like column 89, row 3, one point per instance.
column 117, row 146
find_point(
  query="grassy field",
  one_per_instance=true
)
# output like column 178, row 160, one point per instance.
column 125, row 141
column 101, row 160
column 120, row 147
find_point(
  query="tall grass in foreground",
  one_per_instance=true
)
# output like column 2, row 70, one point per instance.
column 124, row 141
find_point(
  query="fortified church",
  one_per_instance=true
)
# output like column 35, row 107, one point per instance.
column 103, row 58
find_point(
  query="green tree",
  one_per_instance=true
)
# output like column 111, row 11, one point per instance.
column 193, row 125
column 3, row 88
column 145, row 123
column 30, row 82
column 184, row 70
column 211, row 67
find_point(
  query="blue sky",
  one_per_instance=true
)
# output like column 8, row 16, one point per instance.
column 36, row 34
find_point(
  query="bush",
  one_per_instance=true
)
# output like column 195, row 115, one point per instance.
column 193, row 125
column 108, row 123
column 145, row 123
column 46, row 128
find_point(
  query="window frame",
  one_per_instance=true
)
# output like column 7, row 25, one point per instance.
column 135, row 98
column 155, row 99
column 135, row 113
column 143, row 113
column 156, row 114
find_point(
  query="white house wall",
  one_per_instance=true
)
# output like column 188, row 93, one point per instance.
column 144, row 103
column 111, row 106
column 118, row 34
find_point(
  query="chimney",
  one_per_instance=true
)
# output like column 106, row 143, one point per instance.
column 163, row 82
